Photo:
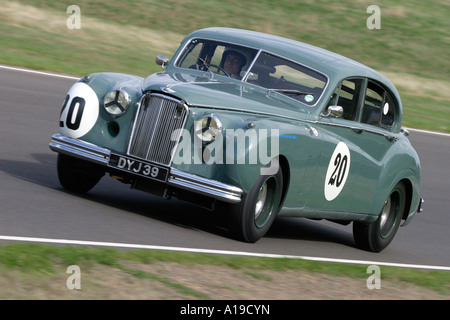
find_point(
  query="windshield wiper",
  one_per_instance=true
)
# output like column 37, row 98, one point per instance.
column 204, row 65
column 207, row 67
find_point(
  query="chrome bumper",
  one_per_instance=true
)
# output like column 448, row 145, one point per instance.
column 182, row 180
column 80, row 149
column 420, row 207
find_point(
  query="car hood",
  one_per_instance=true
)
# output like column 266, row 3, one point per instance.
column 221, row 93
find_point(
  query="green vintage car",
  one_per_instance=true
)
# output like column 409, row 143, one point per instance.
column 251, row 126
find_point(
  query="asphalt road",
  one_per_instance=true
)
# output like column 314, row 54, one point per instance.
column 33, row 204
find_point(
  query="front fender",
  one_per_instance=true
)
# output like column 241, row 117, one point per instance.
column 253, row 151
column 238, row 156
column 84, row 117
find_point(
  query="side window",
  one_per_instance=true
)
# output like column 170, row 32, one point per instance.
column 379, row 107
column 288, row 78
column 347, row 95
column 373, row 101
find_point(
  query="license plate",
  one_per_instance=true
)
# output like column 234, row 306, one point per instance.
column 145, row 169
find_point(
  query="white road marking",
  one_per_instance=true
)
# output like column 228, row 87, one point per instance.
column 39, row 72
column 221, row 252
column 430, row 132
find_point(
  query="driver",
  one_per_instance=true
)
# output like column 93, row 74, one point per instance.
column 233, row 63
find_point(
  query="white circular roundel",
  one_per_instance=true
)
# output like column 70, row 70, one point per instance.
column 337, row 172
column 79, row 111
column 386, row 108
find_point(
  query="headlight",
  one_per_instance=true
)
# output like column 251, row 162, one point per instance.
column 207, row 128
column 116, row 102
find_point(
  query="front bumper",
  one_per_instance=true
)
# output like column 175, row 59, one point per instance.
column 176, row 178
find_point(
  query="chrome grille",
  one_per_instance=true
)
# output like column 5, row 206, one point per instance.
column 156, row 121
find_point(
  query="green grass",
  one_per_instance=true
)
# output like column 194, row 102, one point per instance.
column 125, row 36
column 413, row 38
column 425, row 114
column 44, row 260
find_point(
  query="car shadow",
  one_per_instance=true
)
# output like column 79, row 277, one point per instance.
column 113, row 193
column 41, row 172
column 309, row 230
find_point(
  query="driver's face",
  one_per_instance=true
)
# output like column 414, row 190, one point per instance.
column 232, row 64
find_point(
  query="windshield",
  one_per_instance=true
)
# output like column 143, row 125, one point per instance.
column 269, row 71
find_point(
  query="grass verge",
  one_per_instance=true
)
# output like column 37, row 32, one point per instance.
column 41, row 261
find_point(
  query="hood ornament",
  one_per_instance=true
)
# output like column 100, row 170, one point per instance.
column 167, row 89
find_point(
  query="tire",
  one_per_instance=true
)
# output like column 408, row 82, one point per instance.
column 254, row 215
column 77, row 175
column 378, row 235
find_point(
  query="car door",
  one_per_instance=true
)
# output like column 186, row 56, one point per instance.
column 355, row 146
column 337, row 175
column 378, row 114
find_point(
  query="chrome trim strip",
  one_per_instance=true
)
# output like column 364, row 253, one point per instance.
column 90, row 152
column 79, row 149
column 215, row 189
column 245, row 77
column 136, row 116
column 389, row 137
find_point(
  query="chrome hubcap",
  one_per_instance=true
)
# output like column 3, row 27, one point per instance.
column 265, row 202
column 385, row 213
column 389, row 214
column 260, row 201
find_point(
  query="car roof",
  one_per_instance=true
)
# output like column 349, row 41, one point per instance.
column 332, row 64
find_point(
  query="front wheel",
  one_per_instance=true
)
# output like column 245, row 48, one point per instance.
column 253, row 216
column 77, row 175
column 378, row 235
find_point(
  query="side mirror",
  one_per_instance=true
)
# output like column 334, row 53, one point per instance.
column 162, row 61
column 334, row 111
column 404, row 131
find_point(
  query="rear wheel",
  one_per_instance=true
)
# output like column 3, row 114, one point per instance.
column 253, row 216
column 77, row 175
column 378, row 235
